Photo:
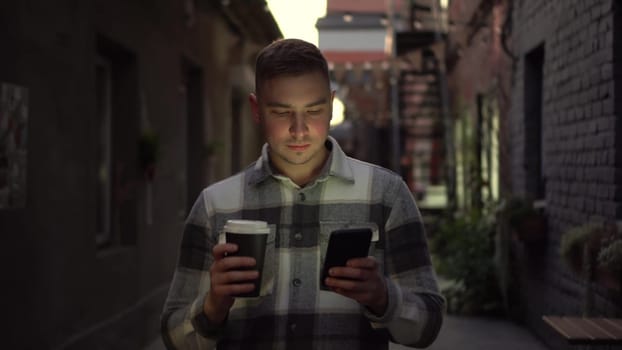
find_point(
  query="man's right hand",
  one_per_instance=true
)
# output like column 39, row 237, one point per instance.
column 227, row 277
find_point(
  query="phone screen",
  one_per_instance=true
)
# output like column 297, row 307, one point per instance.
column 343, row 245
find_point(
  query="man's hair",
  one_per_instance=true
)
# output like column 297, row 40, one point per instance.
column 288, row 57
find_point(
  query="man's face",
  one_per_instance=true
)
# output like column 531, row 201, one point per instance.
column 295, row 113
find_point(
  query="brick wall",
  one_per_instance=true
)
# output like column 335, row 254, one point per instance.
column 581, row 142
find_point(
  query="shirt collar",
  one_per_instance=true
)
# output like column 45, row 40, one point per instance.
column 336, row 165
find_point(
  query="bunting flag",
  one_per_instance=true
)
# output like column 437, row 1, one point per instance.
column 362, row 73
column 365, row 86
column 374, row 72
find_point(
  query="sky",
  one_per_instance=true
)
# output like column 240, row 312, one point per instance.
column 296, row 19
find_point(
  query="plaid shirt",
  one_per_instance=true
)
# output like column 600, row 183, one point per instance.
column 292, row 311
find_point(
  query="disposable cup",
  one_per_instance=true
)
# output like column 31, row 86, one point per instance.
column 250, row 236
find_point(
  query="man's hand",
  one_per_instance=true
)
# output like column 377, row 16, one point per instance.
column 362, row 281
column 227, row 277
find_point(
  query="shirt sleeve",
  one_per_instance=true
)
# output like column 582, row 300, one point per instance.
column 184, row 325
column 415, row 306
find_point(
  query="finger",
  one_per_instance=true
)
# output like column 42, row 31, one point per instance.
column 363, row 263
column 363, row 298
column 233, row 289
column 350, row 273
column 234, row 263
column 233, row 277
column 346, row 284
column 221, row 250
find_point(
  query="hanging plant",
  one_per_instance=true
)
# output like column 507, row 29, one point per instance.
column 528, row 224
column 148, row 153
column 611, row 256
column 609, row 260
column 576, row 241
column 212, row 148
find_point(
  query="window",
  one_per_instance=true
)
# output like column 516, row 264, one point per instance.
column 535, row 181
column 103, row 81
column 196, row 154
column 237, row 101
column 616, row 106
column 117, row 130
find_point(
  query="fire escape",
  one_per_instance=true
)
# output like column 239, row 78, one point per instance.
column 422, row 104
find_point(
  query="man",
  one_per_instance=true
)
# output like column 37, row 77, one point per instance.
column 305, row 187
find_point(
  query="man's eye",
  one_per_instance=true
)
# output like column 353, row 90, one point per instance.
column 280, row 113
column 314, row 111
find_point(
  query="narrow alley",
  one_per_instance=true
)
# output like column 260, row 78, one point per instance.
column 499, row 122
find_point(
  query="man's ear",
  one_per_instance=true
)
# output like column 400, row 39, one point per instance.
column 332, row 99
column 252, row 98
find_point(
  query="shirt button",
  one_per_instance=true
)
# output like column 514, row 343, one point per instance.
column 302, row 196
column 296, row 282
column 292, row 327
column 298, row 236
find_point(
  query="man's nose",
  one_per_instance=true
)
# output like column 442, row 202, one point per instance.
column 298, row 127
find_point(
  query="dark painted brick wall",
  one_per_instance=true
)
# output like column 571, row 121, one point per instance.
column 581, row 143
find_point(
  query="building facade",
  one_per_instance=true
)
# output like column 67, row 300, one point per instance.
column 565, row 135
column 479, row 77
column 535, row 116
column 115, row 114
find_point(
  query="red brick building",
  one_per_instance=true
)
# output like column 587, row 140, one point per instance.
column 370, row 46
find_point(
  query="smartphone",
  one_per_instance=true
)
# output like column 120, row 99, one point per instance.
column 343, row 245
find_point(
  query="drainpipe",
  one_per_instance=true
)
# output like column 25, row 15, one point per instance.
column 395, row 113
column 448, row 137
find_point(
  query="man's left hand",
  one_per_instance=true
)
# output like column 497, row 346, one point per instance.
column 362, row 281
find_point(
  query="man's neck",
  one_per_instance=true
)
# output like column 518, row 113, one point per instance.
column 302, row 174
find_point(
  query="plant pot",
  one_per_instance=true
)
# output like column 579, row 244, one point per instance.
column 149, row 172
column 609, row 279
column 532, row 229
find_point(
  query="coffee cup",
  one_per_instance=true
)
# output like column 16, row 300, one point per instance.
column 250, row 236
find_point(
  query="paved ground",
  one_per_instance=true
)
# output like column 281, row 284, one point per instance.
column 156, row 345
column 466, row 333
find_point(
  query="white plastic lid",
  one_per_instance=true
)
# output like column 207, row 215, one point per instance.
column 247, row 226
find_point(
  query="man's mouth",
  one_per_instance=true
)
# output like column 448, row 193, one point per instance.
column 298, row 148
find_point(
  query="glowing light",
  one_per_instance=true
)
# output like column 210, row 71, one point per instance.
column 338, row 112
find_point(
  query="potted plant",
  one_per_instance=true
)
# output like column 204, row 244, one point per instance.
column 462, row 250
column 591, row 251
column 212, row 148
column 526, row 222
